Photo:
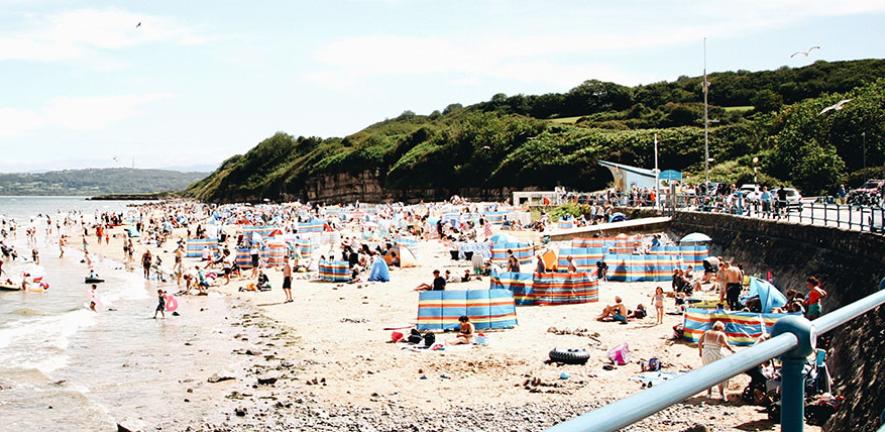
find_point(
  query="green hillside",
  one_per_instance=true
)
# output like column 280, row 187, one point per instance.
column 557, row 138
column 89, row 182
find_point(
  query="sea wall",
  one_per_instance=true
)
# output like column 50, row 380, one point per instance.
column 368, row 186
column 850, row 263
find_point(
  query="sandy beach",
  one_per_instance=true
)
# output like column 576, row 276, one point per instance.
column 324, row 361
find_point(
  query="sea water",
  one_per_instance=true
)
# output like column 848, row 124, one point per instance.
column 65, row 367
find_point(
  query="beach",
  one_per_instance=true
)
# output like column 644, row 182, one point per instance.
column 246, row 360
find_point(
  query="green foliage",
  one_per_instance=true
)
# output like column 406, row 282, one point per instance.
column 572, row 209
column 506, row 142
column 90, row 182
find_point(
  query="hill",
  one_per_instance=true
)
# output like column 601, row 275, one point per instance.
column 486, row 149
column 88, row 182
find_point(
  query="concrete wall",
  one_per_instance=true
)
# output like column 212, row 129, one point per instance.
column 851, row 264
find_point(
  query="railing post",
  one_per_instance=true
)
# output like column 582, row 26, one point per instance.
column 792, row 378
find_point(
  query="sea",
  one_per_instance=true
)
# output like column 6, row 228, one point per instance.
column 64, row 367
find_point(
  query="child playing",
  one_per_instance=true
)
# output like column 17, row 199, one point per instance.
column 161, row 304
column 658, row 298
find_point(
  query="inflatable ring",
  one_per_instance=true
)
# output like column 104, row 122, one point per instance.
column 171, row 303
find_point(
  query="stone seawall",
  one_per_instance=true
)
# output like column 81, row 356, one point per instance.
column 850, row 263
column 368, row 186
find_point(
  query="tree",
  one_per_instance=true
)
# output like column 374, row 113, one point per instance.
column 766, row 101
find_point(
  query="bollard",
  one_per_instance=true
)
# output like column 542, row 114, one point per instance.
column 792, row 378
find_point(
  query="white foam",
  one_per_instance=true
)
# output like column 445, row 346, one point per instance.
column 40, row 342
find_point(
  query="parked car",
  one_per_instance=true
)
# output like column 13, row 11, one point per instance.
column 794, row 198
column 872, row 186
column 751, row 192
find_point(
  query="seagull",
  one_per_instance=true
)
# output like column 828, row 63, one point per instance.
column 805, row 53
column 838, row 106
column 138, row 25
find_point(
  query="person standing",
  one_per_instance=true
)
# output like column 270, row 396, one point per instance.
column 287, row 279
column 710, row 349
column 146, row 261
column 812, row 300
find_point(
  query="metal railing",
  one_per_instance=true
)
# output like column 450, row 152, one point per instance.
column 793, row 339
column 844, row 216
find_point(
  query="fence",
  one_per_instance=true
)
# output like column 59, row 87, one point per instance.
column 845, row 216
column 793, row 339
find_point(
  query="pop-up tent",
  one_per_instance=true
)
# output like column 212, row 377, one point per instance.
column 769, row 296
column 380, row 272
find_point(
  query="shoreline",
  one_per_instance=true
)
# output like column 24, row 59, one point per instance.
column 336, row 370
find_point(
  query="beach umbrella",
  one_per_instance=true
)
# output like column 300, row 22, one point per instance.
column 695, row 237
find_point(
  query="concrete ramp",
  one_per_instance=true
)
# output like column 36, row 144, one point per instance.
column 644, row 225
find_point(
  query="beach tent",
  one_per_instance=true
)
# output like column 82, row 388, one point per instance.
column 334, row 271
column 132, row 232
column 741, row 328
column 617, row 217
column 407, row 258
column 487, row 309
column 768, row 294
column 380, row 272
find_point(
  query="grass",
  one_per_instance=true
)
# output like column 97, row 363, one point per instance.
column 738, row 108
column 565, row 120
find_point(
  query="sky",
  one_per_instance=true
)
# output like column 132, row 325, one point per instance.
column 199, row 81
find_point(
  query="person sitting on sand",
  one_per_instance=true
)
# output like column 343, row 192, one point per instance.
column 615, row 312
column 439, row 283
column 466, row 330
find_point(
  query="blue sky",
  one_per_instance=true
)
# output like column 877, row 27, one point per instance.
column 202, row 80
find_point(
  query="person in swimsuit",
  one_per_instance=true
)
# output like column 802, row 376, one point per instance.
column 658, row 298
column 812, row 300
column 161, row 304
column 287, row 279
column 710, row 349
column 466, row 331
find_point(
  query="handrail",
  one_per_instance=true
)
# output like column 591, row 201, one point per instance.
column 646, row 403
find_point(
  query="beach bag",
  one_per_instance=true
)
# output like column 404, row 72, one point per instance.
column 429, row 339
column 619, row 354
column 415, row 337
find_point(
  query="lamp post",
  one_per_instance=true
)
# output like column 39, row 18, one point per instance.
column 863, row 136
column 755, row 162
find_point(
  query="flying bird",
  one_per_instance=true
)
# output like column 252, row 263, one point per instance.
column 836, row 107
column 806, row 52
column 138, row 25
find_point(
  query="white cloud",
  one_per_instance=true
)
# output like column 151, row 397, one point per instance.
column 566, row 57
column 79, row 33
column 78, row 114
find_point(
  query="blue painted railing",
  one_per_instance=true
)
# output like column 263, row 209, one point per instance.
column 793, row 339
